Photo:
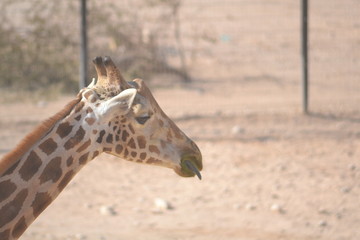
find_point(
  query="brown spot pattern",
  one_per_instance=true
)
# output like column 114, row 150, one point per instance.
column 101, row 135
column 107, row 149
column 175, row 130
column 48, row 146
column 78, row 117
column 126, row 153
column 89, row 110
column 118, row 149
column 154, row 149
column 41, row 201
column 83, row 159
column 88, row 94
column 7, row 188
column 84, row 146
column 95, row 154
column 10, row 210
column 90, row 121
column 79, row 106
column 142, row 156
column 65, row 180
column 125, row 135
column 131, row 143
column 11, row 169
column 52, row 171
column 30, row 166
column 75, row 140
column 64, row 129
column 133, row 154
column 109, row 138
column 19, row 228
column 5, row 234
column 69, row 161
column 141, row 141
column 153, row 161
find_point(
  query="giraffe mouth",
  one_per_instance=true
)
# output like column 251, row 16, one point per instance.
column 190, row 166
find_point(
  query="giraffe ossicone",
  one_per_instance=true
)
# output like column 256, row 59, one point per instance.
column 109, row 116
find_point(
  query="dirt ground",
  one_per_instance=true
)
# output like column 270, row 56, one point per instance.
column 270, row 172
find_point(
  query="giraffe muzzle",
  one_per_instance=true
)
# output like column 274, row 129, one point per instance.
column 192, row 168
column 191, row 165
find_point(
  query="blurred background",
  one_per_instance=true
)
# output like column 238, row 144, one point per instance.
column 175, row 42
column 229, row 73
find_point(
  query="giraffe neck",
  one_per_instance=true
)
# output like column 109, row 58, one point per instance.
column 37, row 178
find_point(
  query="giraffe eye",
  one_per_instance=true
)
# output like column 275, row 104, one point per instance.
column 142, row 120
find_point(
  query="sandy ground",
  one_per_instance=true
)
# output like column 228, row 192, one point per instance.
column 270, row 173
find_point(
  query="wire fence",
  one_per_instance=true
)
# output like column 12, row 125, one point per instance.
column 251, row 43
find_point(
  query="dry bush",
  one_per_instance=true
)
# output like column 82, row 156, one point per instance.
column 39, row 41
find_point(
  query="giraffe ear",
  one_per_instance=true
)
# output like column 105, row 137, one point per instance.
column 120, row 104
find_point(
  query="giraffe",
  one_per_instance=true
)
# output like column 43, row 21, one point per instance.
column 109, row 116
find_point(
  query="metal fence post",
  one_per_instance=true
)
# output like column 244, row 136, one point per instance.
column 83, row 45
column 304, row 50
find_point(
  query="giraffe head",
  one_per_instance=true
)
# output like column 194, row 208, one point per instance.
column 129, row 123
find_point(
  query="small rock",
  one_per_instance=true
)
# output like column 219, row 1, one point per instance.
column 352, row 167
column 282, row 167
column 107, row 211
column 235, row 130
column 323, row 223
column 324, row 211
column 277, row 208
column 339, row 215
column 346, row 189
column 161, row 205
column 80, row 236
column 275, row 196
column 250, row 207
column 88, row 205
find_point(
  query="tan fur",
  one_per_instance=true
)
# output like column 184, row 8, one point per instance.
column 25, row 145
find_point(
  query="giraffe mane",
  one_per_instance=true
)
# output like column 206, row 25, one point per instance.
column 28, row 141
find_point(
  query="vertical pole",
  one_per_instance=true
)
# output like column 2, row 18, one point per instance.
column 304, row 50
column 83, row 45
